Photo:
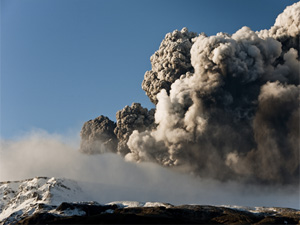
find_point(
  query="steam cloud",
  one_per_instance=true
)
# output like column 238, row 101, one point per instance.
column 227, row 106
column 107, row 177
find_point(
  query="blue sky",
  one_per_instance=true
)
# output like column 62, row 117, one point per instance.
column 64, row 62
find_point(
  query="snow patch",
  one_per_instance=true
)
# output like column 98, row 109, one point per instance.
column 23, row 198
column 109, row 211
column 131, row 204
column 126, row 204
column 73, row 212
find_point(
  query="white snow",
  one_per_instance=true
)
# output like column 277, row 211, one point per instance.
column 109, row 211
column 130, row 204
column 19, row 199
column 22, row 198
column 126, row 204
column 269, row 210
column 157, row 204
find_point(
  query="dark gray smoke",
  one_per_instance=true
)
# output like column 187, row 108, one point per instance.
column 97, row 136
column 227, row 106
column 172, row 59
column 103, row 135
column 129, row 119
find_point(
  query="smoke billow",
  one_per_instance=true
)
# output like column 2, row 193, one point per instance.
column 129, row 119
column 169, row 62
column 227, row 106
column 103, row 135
column 98, row 136
column 107, row 177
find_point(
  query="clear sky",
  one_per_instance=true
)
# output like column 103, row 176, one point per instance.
column 64, row 62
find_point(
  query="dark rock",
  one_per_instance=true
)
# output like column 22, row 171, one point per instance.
column 89, row 209
column 185, row 214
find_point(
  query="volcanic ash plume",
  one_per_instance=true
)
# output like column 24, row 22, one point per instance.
column 227, row 106
column 97, row 136
column 168, row 63
column 103, row 135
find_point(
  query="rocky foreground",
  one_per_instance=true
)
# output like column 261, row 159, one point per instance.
column 43, row 200
column 184, row 214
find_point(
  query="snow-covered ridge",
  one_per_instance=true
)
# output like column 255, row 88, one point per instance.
column 60, row 198
column 19, row 198
column 266, row 210
column 57, row 196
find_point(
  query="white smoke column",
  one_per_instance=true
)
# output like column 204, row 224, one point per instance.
column 286, row 24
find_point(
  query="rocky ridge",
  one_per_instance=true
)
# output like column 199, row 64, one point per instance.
column 44, row 200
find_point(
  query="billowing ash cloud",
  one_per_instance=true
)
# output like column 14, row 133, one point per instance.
column 97, row 136
column 227, row 106
column 168, row 63
column 129, row 119
column 103, row 135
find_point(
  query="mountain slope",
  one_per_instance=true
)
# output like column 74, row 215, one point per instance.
column 23, row 198
column 44, row 200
